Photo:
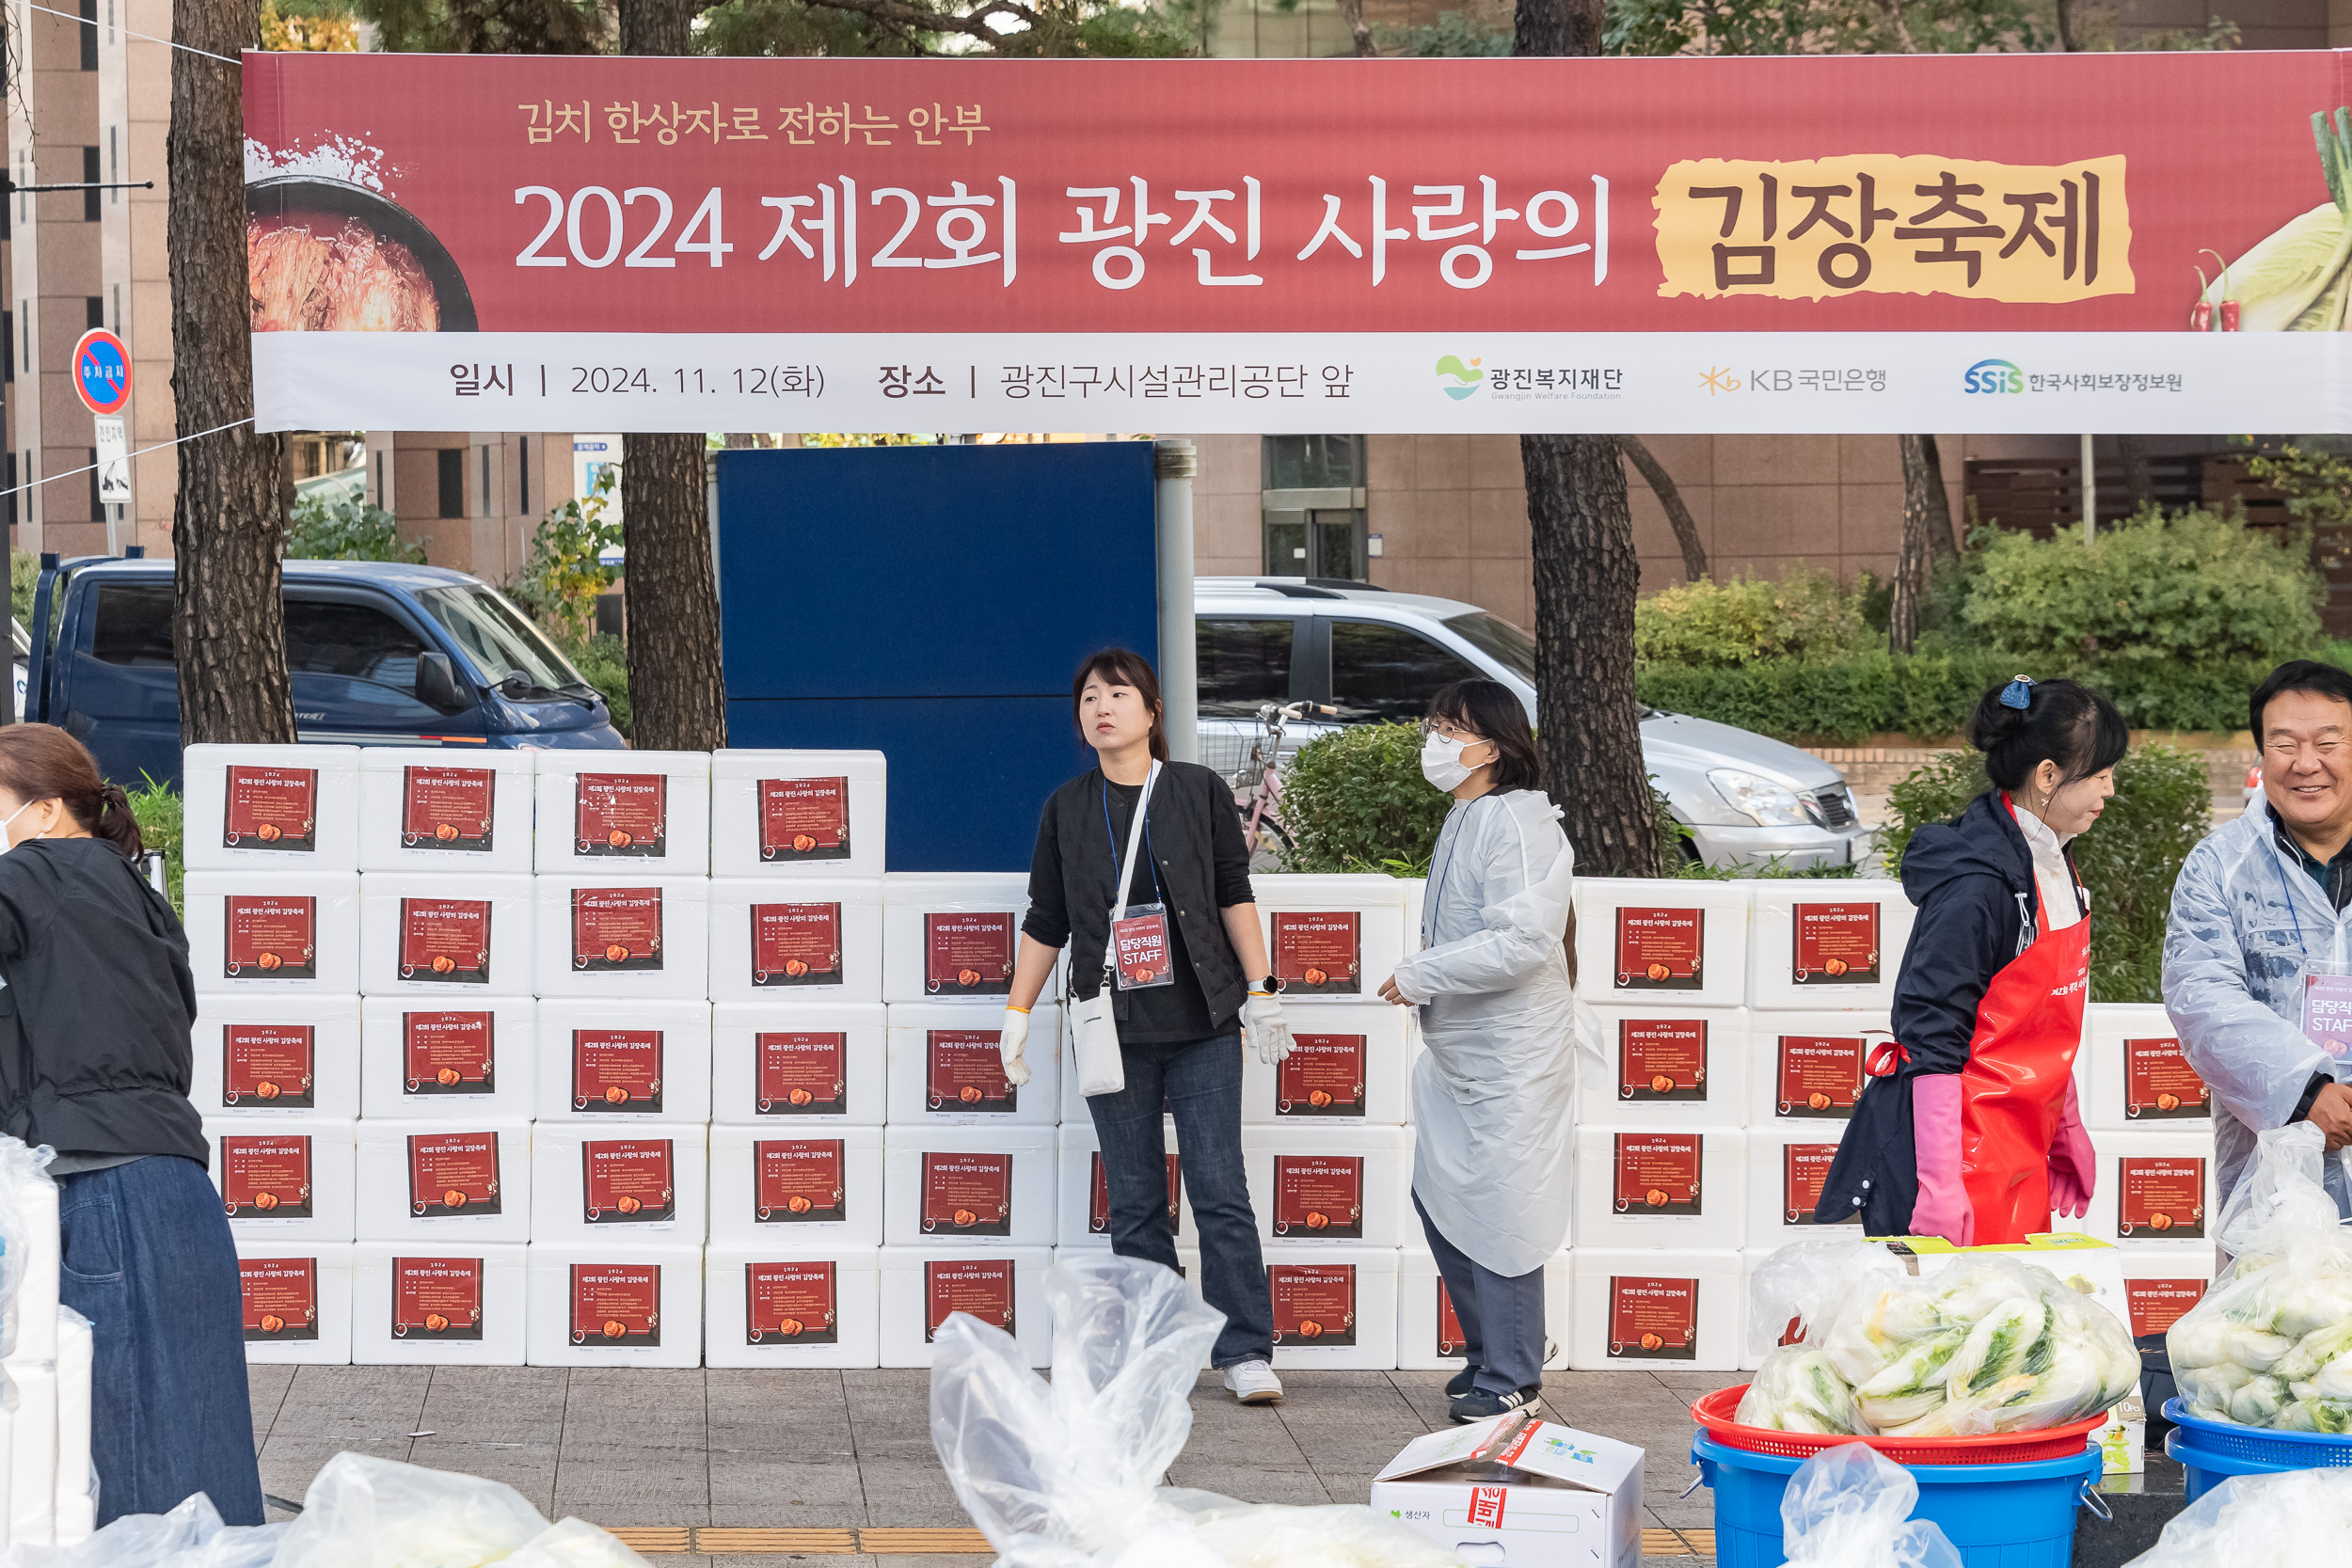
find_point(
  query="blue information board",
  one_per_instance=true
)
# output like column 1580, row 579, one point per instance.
column 933, row 603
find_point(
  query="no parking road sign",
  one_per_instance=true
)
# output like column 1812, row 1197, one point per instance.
column 102, row 372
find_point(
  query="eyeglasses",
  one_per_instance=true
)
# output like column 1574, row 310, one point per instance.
column 1448, row 729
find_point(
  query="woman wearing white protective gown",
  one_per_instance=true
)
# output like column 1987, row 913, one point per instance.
column 1494, row 1096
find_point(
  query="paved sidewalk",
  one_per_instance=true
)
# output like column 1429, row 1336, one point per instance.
column 705, row 1458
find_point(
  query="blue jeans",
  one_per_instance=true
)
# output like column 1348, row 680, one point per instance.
column 150, row 1262
column 1199, row 1082
column 1502, row 1316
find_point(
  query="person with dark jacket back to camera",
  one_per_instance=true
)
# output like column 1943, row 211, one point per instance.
column 96, row 1004
column 1968, row 1127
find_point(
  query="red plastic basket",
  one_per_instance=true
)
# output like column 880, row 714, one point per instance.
column 1715, row 1412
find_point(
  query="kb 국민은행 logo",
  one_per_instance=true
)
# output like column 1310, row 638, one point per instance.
column 1457, row 379
column 1992, row 375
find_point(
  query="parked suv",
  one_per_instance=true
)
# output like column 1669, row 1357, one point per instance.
column 1376, row 656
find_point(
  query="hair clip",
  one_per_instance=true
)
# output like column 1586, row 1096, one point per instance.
column 2018, row 694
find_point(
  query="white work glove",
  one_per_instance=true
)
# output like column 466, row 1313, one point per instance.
column 1010, row 1043
column 1264, row 1028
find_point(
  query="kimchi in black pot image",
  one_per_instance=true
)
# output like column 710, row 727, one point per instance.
column 329, row 256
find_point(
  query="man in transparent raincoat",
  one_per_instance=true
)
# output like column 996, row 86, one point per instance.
column 2258, row 951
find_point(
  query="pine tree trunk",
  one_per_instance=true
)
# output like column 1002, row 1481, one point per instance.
column 1678, row 516
column 2138, row 483
column 1352, row 14
column 229, row 623
column 1923, row 497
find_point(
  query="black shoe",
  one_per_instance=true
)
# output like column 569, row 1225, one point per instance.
column 1478, row 1405
column 1461, row 1383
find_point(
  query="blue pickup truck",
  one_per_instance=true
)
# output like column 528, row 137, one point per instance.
column 380, row 653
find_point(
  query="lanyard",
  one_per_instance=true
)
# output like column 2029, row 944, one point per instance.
column 2287, row 893
column 1437, row 892
column 1119, row 882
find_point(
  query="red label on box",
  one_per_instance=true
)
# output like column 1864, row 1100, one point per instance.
column 981, row 1286
column 2161, row 1196
column 1323, row 1076
column 1315, row 1304
column 270, row 937
column 800, row 1074
column 270, row 808
column 627, row 1181
column 270, row 1066
column 1099, row 1198
column 447, row 808
column 796, row 944
column 968, row 954
column 281, row 1298
column 1820, row 1076
column 803, row 819
column 617, row 1303
column 798, row 1181
column 266, row 1175
column 967, row 1195
column 791, row 1304
column 1658, row 1173
column 1836, row 945
column 454, row 1173
column 963, row 1069
column 1319, row 953
column 1450, row 1340
column 449, row 1053
column 446, row 939
column 617, row 1070
column 2160, row 1085
column 436, row 1298
column 2156, row 1305
column 1659, row 949
column 616, row 928
column 1486, row 1508
column 621, row 814
column 1804, row 1172
column 1661, row 1058
column 1319, row 1196
column 1653, row 1320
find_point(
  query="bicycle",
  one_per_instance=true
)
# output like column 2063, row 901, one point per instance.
column 1263, row 821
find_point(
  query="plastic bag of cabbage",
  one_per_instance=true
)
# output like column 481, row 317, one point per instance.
column 2270, row 1345
column 1987, row 1346
column 2296, row 1519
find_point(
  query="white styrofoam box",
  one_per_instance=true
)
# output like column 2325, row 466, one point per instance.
column 771, row 940
column 1001, row 1286
column 782, row 1064
column 1658, row 1308
column 1659, row 1187
column 273, row 930
column 448, row 935
column 413, row 1303
column 469, row 1056
column 622, row 816
column 1680, row 943
column 785, row 1187
column 1428, row 1337
column 286, row 1177
column 2153, row 1187
column 1085, row 1206
column 289, row 1054
column 946, row 1066
column 1788, row 1161
column 297, row 1302
column 614, row 1303
column 623, row 936
column 1669, row 1063
column 2136, row 1076
column 445, row 808
column 1331, row 937
column 798, row 814
column 623, row 1061
column 1323, row 1185
column 645, row 1179
column 968, row 1186
column 271, row 807
column 464, row 1179
column 1333, row 1305
column 1349, row 1066
column 951, row 937
column 1818, row 945
column 2162, row 1282
column 792, row 1301
column 1810, row 1067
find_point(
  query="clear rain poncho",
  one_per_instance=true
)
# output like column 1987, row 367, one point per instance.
column 2246, row 922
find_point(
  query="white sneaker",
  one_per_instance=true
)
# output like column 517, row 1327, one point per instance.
column 1254, row 1383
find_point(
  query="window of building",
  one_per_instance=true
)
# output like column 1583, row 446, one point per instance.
column 97, row 510
column 522, row 475
column 453, row 481
column 1312, row 497
column 93, row 312
column 7, row 331
column 1242, row 664
column 88, row 30
column 486, row 508
column 1388, row 672
column 89, row 171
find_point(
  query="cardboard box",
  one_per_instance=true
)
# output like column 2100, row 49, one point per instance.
column 622, row 816
column 1516, row 1492
column 1324, row 1185
column 297, row 1302
column 771, row 939
column 445, row 808
column 1348, row 1066
column 783, row 1302
column 1002, row 1286
column 2137, row 1078
column 276, row 1055
column 1809, row 1067
column 1655, row 1186
column 988, row 1187
column 786, row 1062
column 470, row 1056
column 805, row 814
column 1332, row 938
column 946, row 1067
column 286, row 1178
column 1670, row 1064
column 623, row 1061
column 449, row 936
column 951, row 938
column 419, row 1304
column 444, row 1182
column 283, row 808
column 1817, row 945
column 273, row 930
column 612, row 1302
column 622, row 935
column 1085, row 1206
column 616, row 1185
column 1673, row 943
column 785, row 1187
column 1428, row 1335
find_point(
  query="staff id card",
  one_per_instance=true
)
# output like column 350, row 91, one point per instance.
column 1140, row 943
column 2328, row 1013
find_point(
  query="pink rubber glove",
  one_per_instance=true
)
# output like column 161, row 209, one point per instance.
column 2074, row 1166
column 1942, row 1209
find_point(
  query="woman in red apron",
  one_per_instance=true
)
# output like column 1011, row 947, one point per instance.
column 1968, row 1129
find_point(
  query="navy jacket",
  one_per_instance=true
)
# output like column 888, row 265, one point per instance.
column 1973, row 882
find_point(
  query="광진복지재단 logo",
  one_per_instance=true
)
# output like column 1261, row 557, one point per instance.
column 1992, row 375
column 1457, row 379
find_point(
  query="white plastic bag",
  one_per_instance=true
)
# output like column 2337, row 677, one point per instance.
column 190, row 1536
column 366, row 1512
column 1849, row 1507
column 2297, row 1519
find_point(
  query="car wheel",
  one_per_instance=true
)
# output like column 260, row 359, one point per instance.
column 1690, row 856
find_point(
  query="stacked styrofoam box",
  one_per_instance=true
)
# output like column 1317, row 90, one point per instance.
column 1808, row 1070
column 2150, row 1118
column 1428, row 1333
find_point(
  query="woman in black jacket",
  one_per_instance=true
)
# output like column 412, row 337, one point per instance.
column 96, row 1004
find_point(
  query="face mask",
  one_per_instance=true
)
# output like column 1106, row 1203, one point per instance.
column 1440, row 763
column 5, row 844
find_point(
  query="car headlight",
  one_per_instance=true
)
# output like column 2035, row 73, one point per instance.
column 1768, row 803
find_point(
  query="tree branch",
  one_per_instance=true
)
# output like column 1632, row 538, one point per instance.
column 1685, row 531
column 916, row 18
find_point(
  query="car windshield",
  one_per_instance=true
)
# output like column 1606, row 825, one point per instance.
column 499, row 638
column 1498, row 639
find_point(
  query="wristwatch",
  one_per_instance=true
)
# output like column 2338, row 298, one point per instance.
column 1267, row 987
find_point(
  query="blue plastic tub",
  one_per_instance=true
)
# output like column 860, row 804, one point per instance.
column 1998, row 1515
column 2212, row 1451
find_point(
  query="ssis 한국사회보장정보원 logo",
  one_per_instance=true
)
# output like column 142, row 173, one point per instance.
column 1992, row 375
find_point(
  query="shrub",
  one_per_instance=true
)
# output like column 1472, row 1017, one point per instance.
column 346, row 530
column 559, row 584
column 603, row 663
column 157, row 811
column 1715, row 624
column 1842, row 699
column 1355, row 800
